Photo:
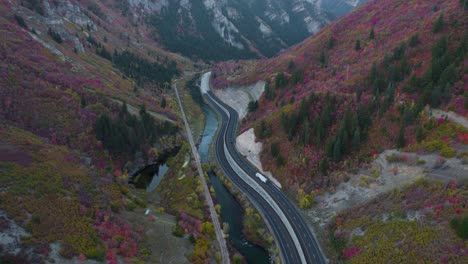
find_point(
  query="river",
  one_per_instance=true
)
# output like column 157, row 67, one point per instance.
column 231, row 210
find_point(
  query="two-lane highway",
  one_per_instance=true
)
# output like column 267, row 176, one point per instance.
column 308, row 242
column 295, row 239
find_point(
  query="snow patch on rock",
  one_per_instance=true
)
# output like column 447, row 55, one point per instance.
column 247, row 146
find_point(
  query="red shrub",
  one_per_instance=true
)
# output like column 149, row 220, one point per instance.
column 351, row 252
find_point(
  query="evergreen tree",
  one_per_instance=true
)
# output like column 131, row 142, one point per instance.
column 449, row 75
column 356, row 139
column 142, row 109
column 297, row 77
column 323, row 166
column 419, row 134
column 372, row 34
column 373, row 74
column 269, row 92
column 439, row 24
column 274, row 149
column 253, row 106
column 19, row 19
column 322, row 59
column 163, row 102
column 306, row 133
column 302, row 111
column 401, row 138
column 337, row 150
column 262, row 129
column 331, row 42
column 55, row 36
column 280, row 80
column 123, row 110
column 358, row 45
column 436, row 95
column 83, row 102
column 414, row 40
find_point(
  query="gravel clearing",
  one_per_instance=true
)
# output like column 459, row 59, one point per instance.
column 239, row 97
column 463, row 121
column 367, row 184
column 247, row 146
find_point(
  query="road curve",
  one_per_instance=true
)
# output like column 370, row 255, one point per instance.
column 308, row 251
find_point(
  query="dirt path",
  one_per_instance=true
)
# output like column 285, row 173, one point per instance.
column 135, row 111
column 437, row 113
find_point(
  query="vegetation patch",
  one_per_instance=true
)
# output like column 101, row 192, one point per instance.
column 405, row 226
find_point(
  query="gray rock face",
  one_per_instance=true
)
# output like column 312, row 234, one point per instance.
column 58, row 11
column 150, row 5
column 242, row 28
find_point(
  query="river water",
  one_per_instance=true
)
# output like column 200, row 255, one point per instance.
column 231, row 210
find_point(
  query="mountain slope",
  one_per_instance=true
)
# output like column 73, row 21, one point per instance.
column 340, row 7
column 230, row 29
column 356, row 88
column 85, row 99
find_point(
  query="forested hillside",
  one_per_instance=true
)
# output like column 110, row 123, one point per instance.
column 356, row 88
column 72, row 74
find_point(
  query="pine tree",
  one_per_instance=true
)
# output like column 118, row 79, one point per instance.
column 373, row 74
column 439, row 24
column 356, row 139
column 331, row 42
column 419, row 134
column 262, row 129
column 372, row 34
column 123, row 110
column 269, row 92
column 323, row 166
column 358, row 45
column 401, row 138
column 253, row 106
column 83, row 102
column 414, row 40
column 274, row 149
column 322, row 59
column 142, row 109
column 337, row 150
column 306, row 133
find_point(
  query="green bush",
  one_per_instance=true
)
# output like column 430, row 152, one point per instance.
column 460, row 226
column 178, row 231
column 130, row 206
column 447, row 152
column 140, row 202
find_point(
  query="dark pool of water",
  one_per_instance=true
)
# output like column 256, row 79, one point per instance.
column 149, row 177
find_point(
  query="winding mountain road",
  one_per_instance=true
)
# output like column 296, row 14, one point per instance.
column 296, row 242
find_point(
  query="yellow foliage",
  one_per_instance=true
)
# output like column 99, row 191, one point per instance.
column 305, row 200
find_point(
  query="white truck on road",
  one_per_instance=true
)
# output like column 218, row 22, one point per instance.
column 261, row 177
